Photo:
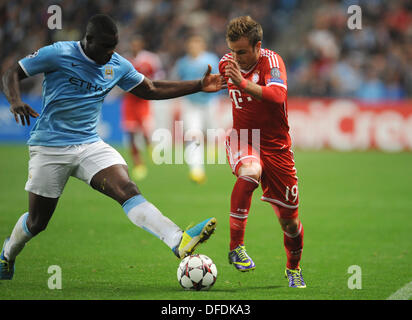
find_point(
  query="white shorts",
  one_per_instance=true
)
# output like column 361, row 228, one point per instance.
column 51, row 167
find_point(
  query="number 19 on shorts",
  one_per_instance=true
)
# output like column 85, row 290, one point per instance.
column 291, row 193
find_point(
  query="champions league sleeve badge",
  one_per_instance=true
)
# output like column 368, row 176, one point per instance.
column 275, row 73
column 32, row 55
column 275, row 76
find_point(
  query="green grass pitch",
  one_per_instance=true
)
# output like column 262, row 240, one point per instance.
column 355, row 207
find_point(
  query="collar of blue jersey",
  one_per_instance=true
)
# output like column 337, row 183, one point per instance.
column 84, row 54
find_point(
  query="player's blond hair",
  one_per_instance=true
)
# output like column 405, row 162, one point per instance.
column 246, row 27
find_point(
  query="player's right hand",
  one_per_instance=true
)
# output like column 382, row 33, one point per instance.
column 211, row 82
column 24, row 111
column 232, row 71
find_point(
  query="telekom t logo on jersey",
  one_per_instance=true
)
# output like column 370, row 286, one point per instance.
column 236, row 96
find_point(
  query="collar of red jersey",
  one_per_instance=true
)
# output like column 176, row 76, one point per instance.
column 252, row 67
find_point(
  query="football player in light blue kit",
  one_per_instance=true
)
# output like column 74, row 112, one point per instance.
column 199, row 108
column 64, row 141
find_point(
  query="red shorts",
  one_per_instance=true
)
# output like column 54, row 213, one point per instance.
column 279, row 181
column 136, row 115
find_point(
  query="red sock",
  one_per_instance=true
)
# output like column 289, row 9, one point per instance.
column 293, row 247
column 239, row 208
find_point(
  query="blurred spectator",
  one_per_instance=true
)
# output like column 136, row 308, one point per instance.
column 372, row 87
column 346, row 76
column 371, row 64
column 312, row 36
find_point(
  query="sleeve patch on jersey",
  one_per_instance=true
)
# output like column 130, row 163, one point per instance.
column 275, row 80
column 275, row 73
column 32, row 55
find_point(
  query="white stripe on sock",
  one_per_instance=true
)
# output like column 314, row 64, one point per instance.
column 239, row 216
column 250, row 179
column 296, row 234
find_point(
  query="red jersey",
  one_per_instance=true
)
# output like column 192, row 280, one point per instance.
column 148, row 64
column 268, row 116
column 136, row 112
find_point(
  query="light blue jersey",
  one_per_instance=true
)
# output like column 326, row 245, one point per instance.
column 189, row 68
column 74, row 88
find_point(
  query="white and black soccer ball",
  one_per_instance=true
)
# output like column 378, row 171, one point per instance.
column 197, row 272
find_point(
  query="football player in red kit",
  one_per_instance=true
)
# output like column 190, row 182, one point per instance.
column 136, row 112
column 257, row 85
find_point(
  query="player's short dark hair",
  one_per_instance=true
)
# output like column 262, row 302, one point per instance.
column 246, row 27
column 101, row 23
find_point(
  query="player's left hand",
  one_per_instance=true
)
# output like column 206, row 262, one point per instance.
column 212, row 82
column 24, row 111
column 232, row 71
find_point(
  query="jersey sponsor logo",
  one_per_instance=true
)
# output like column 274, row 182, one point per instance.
column 33, row 54
column 108, row 72
column 85, row 84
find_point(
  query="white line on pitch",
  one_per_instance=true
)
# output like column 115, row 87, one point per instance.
column 403, row 293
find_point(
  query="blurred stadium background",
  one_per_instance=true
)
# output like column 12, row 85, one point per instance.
column 368, row 71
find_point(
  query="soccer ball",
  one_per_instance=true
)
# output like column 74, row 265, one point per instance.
column 197, row 272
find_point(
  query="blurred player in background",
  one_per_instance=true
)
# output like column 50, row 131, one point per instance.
column 137, row 119
column 257, row 85
column 64, row 142
column 198, row 108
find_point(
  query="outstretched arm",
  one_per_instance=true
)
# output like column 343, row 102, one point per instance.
column 11, row 79
column 164, row 89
